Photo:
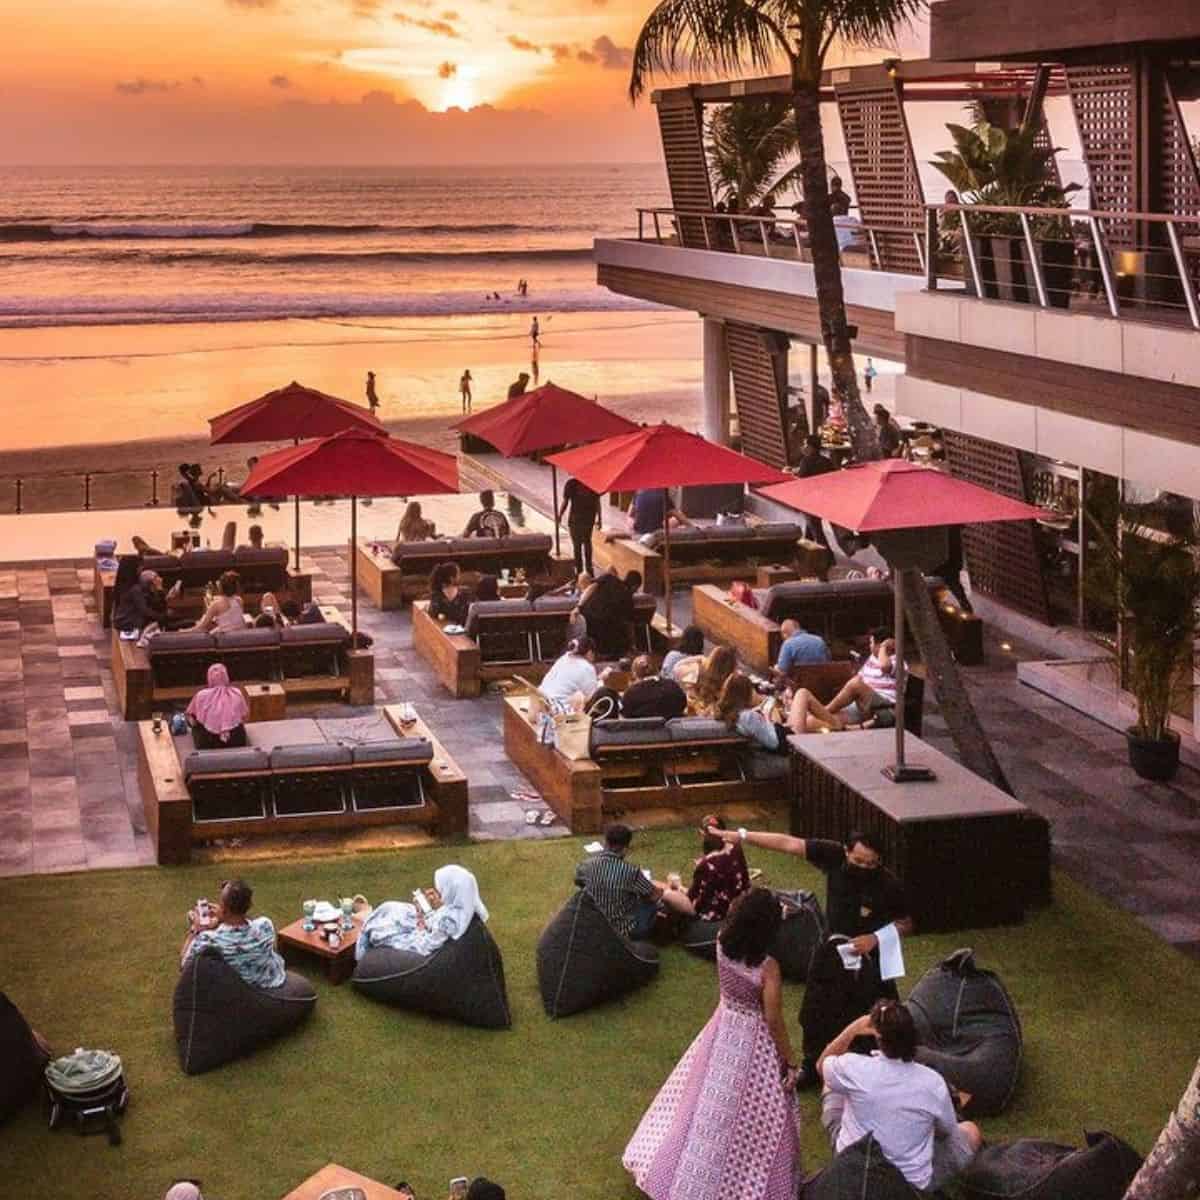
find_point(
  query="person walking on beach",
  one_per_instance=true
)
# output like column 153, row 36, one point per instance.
column 869, row 374
column 372, row 398
column 737, row 1076
column 464, row 390
column 535, row 335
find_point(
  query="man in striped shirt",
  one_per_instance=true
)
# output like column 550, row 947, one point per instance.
column 247, row 944
column 625, row 894
column 870, row 697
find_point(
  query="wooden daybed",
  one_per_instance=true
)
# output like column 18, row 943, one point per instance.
column 304, row 660
column 688, row 767
column 390, row 583
column 298, row 775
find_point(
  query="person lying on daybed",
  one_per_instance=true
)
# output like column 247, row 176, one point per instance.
column 246, row 944
column 454, row 901
column 217, row 713
column 738, row 708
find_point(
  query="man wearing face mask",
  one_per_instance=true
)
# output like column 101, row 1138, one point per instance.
column 864, row 902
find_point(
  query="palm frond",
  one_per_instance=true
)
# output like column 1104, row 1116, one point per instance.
column 723, row 37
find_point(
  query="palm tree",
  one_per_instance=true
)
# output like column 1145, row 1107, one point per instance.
column 748, row 142
column 731, row 36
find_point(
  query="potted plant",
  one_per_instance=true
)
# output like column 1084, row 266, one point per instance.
column 1154, row 577
column 1009, row 168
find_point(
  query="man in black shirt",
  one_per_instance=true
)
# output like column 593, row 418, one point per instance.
column 145, row 603
column 862, row 897
column 650, row 695
column 487, row 522
column 584, row 507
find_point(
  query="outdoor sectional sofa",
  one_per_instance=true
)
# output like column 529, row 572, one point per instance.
column 506, row 637
column 689, row 763
column 298, row 776
column 302, row 659
column 259, row 571
column 391, row 578
column 842, row 611
column 710, row 553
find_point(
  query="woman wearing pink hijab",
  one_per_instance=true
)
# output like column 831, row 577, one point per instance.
column 218, row 713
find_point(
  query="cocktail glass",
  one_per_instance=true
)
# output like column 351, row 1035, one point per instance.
column 347, row 913
column 310, row 907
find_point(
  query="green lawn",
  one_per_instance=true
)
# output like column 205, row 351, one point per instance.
column 546, row 1108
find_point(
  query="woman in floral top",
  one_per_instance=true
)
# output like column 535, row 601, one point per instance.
column 721, row 874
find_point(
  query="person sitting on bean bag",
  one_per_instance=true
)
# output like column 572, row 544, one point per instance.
column 720, row 875
column 218, row 712
column 246, row 943
column 454, row 901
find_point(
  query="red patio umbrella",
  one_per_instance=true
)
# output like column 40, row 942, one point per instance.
column 892, row 498
column 661, row 456
column 290, row 413
column 354, row 463
column 547, row 416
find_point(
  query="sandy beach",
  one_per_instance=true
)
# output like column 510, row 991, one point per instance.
column 119, row 400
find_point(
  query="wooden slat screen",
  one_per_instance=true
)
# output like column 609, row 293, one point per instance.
column 1002, row 557
column 758, row 364
column 681, row 126
column 885, row 179
column 1105, row 101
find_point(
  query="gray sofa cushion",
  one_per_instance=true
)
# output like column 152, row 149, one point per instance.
column 782, row 598
column 226, row 762
column 247, row 639
column 322, row 631
column 527, row 541
column 482, row 609
column 426, row 549
column 1032, row 1169
column 555, row 604
column 969, row 1031
column 688, row 729
column 474, row 545
column 23, row 1060
column 315, row 754
column 860, row 1171
column 625, row 731
column 409, row 749
column 247, row 556
column 582, row 961
column 778, row 529
column 215, row 561
column 187, row 639
column 220, row 1017
column 463, row 980
column 164, row 564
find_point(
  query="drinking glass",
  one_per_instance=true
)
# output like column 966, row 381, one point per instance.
column 347, row 913
column 310, row 907
column 156, row 722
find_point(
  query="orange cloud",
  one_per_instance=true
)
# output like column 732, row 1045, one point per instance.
column 442, row 28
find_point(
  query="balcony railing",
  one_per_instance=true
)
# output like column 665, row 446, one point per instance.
column 1126, row 264
column 896, row 247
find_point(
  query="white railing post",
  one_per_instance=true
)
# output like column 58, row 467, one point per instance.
column 1034, row 264
column 920, row 252
column 1106, row 275
column 1189, row 293
column 657, row 229
column 875, row 249
column 737, row 245
column 972, row 257
column 762, row 229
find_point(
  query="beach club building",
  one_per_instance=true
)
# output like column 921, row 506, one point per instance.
column 1052, row 363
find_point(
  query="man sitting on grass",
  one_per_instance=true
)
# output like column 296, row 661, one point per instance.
column 906, row 1106
column 627, row 897
column 246, row 944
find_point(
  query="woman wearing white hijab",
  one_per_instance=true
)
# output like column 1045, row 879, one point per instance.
column 402, row 926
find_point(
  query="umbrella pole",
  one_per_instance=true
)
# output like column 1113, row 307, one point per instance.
column 353, row 573
column 900, row 771
column 296, row 441
column 667, row 556
column 554, row 493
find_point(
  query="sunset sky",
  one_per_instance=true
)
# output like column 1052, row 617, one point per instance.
column 338, row 81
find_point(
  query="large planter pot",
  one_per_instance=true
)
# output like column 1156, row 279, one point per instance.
column 1152, row 758
column 1008, row 275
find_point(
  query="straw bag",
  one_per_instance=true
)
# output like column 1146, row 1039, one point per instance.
column 573, row 733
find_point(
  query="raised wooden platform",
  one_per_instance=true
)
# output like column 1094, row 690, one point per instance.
column 139, row 697
column 585, row 793
column 169, row 813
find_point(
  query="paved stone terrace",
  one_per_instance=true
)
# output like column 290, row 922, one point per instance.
column 68, row 782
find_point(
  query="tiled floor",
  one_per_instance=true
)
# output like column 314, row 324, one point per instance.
column 68, row 785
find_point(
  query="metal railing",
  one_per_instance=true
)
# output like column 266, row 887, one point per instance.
column 1128, row 263
column 748, row 233
column 83, row 491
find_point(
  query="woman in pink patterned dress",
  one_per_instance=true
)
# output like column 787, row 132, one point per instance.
column 724, row 1125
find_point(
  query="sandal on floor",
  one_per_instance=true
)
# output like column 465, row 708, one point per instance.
column 531, row 816
column 548, row 817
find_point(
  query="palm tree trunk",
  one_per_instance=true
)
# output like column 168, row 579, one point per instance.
column 827, row 269
column 1173, row 1166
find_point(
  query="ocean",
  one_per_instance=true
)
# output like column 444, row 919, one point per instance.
column 92, row 245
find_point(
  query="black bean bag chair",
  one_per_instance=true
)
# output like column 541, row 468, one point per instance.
column 220, row 1017
column 803, row 930
column 463, row 980
column 969, row 1032
column 583, row 961
column 1030, row 1169
column 860, row 1172
column 24, row 1060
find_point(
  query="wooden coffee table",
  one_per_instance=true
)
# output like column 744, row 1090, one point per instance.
column 295, row 945
column 332, row 1176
